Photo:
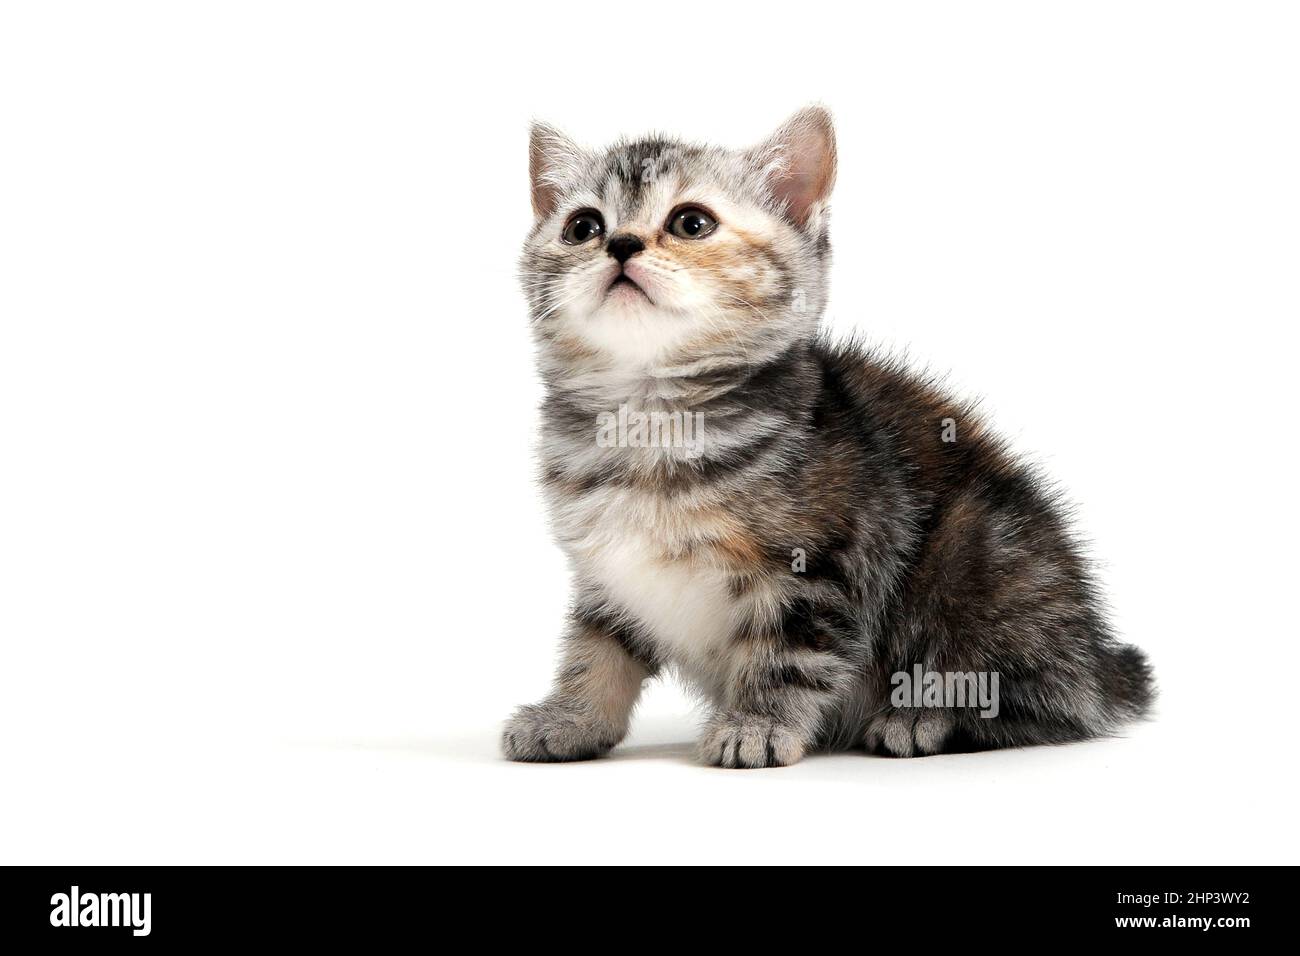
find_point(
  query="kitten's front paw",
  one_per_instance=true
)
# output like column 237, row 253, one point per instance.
column 740, row 740
column 550, row 732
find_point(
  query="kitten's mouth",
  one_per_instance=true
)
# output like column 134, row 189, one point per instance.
column 624, row 281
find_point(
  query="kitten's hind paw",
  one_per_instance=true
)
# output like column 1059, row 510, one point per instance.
column 551, row 732
column 740, row 740
column 904, row 733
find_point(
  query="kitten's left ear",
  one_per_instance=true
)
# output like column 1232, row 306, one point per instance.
column 797, row 164
column 553, row 159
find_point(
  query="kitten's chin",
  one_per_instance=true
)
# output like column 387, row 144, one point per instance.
column 631, row 330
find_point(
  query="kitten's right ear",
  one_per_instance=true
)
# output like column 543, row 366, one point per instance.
column 797, row 165
column 553, row 160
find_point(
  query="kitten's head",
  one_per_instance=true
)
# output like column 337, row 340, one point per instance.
column 656, row 254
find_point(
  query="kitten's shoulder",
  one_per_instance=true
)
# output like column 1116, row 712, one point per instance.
column 887, row 386
column 912, row 413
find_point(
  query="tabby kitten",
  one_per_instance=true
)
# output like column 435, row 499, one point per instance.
column 830, row 523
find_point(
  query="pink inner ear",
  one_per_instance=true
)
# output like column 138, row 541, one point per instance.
column 543, row 194
column 809, row 170
column 544, row 197
column 548, row 150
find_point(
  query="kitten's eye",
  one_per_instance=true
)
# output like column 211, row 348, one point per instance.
column 582, row 226
column 691, row 223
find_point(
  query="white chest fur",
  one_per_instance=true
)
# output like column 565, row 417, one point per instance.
column 634, row 546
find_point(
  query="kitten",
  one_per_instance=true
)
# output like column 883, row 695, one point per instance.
column 831, row 527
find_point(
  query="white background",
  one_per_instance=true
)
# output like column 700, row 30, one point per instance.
column 273, row 566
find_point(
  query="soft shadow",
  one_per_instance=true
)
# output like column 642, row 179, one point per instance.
column 476, row 747
column 673, row 740
column 650, row 739
column 659, row 738
column 680, row 753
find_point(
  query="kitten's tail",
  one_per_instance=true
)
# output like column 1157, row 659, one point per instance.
column 1132, row 684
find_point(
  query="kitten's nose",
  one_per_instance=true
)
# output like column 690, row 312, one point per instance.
column 623, row 247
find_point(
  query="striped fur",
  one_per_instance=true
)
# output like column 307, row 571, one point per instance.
column 915, row 550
